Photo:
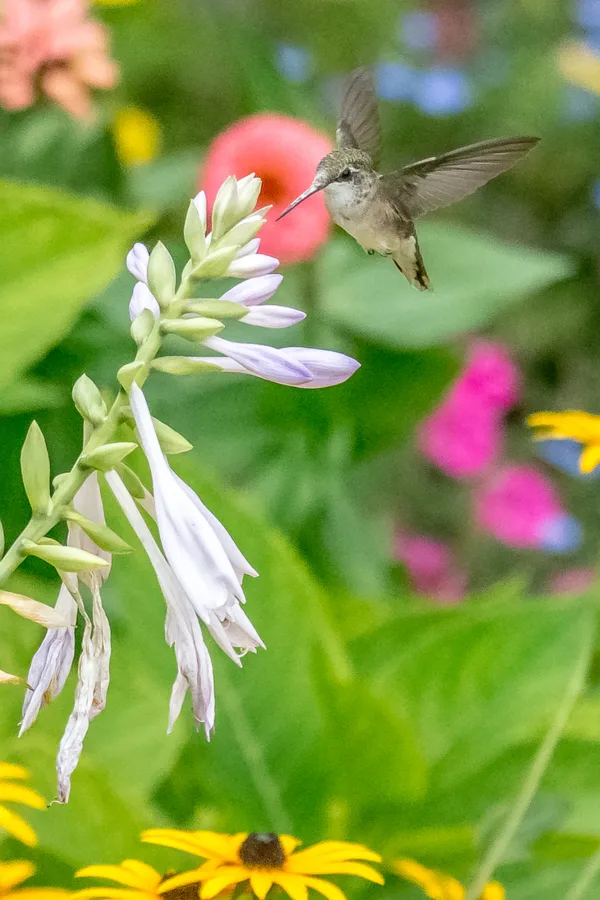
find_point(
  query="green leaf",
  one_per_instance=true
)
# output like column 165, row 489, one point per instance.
column 475, row 277
column 56, row 251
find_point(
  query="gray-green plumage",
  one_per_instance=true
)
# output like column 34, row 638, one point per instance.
column 379, row 210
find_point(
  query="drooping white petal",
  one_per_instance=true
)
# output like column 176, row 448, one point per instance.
column 137, row 262
column 274, row 316
column 254, row 290
column 251, row 247
column 266, row 362
column 327, row 367
column 142, row 298
column 182, row 629
column 190, row 544
column 101, row 642
column 252, row 265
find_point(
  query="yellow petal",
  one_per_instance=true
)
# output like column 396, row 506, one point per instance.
column 288, row 843
column 230, row 875
column 209, row 844
column 261, row 883
column 329, row 890
column 16, row 793
column 147, row 875
column 328, row 851
column 13, row 873
column 436, row 885
column 294, row 885
column 123, row 875
column 31, row 609
column 181, row 880
column 343, row 868
column 41, row 893
column 575, row 424
column 493, row 891
column 589, row 459
column 10, row 770
column 110, row 893
column 18, row 827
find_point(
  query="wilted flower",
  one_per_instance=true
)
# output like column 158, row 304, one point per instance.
column 438, row 886
column 261, row 860
column 55, row 44
column 12, row 874
column 573, row 425
column 284, row 153
column 17, row 793
column 431, row 568
column 520, row 507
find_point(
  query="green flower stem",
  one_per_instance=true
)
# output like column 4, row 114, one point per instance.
column 498, row 847
column 39, row 525
column 586, row 878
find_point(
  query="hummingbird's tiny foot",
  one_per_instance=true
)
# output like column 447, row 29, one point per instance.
column 371, row 252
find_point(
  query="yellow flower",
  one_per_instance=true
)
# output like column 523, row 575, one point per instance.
column 141, row 881
column 572, row 425
column 17, row 793
column 438, row 886
column 14, row 873
column 137, row 136
column 579, row 65
column 264, row 860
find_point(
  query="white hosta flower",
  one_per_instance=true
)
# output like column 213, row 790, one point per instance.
column 190, row 543
column 253, row 291
column 252, row 265
column 137, row 262
column 142, row 298
column 325, row 368
column 274, row 316
column 182, row 629
column 251, row 247
column 199, row 202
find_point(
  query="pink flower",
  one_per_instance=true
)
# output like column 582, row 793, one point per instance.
column 520, row 508
column 491, row 376
column 431, row 568
column 462, row 437
column 52, row 43
column 572, row 581
column 284, row 153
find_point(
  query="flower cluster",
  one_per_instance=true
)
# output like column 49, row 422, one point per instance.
column 198, row 566
column 55, row 44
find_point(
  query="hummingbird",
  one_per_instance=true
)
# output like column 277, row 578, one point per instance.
column 379, row 210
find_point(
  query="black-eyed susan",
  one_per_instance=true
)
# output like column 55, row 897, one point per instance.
column 17, row 793
column 139, row 881
column 262, row 860
column 12, row 874
column 573, row 425
column 438, row 886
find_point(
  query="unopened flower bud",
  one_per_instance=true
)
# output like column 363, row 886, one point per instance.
column 65, row 559
column 35, row 470
column 225, row 208
column 129, row 373
column 197, row 329
column 161, row 275
column 216, row 265
column 215, row 309
column 88, row 401
column 108, row 456
column 194, row 230
column 249, row 189
column 103, row 536
column 183, row 365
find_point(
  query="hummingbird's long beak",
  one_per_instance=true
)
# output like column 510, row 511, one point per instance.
column 312, row 190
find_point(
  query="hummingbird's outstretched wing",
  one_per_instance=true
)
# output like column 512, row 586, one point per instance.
column 441, row 180
column 359, row 126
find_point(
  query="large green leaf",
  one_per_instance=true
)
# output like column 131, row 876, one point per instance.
column 56, row 251
column 475, row 277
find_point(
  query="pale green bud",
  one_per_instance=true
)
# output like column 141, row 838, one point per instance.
column 243, row 232
column 141, row 327
column 217, row 309
column 194, row 233
column 197, row 329
column 35, row 470
column 58, row 479
column 65, row 559
column 225, row 208
column 248, row 193
column 103, row 536
column 108, row 456
column 215, row 265
column 129, row 373
column 161, row 275
column 88, row 401
column 182, row 365
column 131, row 481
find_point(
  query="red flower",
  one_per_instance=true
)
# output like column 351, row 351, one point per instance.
column 284, row 153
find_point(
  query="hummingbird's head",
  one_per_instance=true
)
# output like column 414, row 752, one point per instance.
column 340, row 167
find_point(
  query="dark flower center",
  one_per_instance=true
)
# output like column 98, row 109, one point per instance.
column 262, row 851
column 272, row 191
column 185, row 892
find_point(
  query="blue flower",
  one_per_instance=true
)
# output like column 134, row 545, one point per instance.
column 587, row 14
column 564, row 453
column 395, row 81
column 443, row 91
column 293, row 62
column 560, row 534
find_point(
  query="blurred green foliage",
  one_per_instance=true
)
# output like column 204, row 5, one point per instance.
column 372, row 716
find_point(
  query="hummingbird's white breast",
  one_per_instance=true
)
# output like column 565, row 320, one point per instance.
column 355, row 209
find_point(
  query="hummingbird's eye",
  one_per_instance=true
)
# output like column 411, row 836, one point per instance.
column 346, row 174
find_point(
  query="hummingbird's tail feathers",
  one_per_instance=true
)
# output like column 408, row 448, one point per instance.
column 439, row 181
column 414, row 272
